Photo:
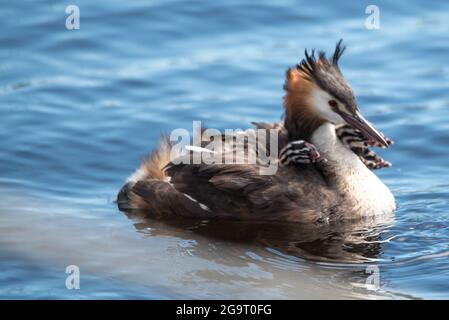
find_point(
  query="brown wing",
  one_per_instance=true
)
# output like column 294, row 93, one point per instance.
column 294, row 193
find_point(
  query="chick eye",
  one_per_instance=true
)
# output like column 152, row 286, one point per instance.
column 333, row 103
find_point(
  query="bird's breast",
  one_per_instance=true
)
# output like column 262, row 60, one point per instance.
column 358, row 187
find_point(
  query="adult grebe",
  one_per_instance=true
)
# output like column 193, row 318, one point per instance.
column 318, row 102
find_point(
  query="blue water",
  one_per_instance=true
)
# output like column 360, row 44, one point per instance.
column 80, row 108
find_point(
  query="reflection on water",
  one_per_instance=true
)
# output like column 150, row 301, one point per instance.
column 337, row 242
column 188, row 259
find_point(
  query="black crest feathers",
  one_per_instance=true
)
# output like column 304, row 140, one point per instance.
column 339, row 49
column 311, row 63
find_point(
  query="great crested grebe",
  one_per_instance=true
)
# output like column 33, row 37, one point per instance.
column 320, row 108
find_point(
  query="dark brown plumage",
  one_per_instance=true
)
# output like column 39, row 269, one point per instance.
column 306, row 193
column 229, row 191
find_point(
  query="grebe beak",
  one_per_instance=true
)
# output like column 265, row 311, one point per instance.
column 357, row 121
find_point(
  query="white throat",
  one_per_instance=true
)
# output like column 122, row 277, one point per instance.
column 355, row 181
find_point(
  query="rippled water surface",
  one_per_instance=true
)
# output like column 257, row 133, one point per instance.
column 80, row 108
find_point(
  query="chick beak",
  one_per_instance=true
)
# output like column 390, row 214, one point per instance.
column 357, row 121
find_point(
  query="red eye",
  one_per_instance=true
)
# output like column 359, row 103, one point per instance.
column 333, row 103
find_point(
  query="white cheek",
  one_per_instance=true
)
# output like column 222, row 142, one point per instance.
column 321, row 103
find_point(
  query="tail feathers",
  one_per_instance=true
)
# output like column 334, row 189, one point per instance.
column 124, row 201
column 153, row 166
column 159, row 198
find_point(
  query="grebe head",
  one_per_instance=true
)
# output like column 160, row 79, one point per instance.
column 316, row 92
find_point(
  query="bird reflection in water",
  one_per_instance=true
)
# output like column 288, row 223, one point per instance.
column 358, row 241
